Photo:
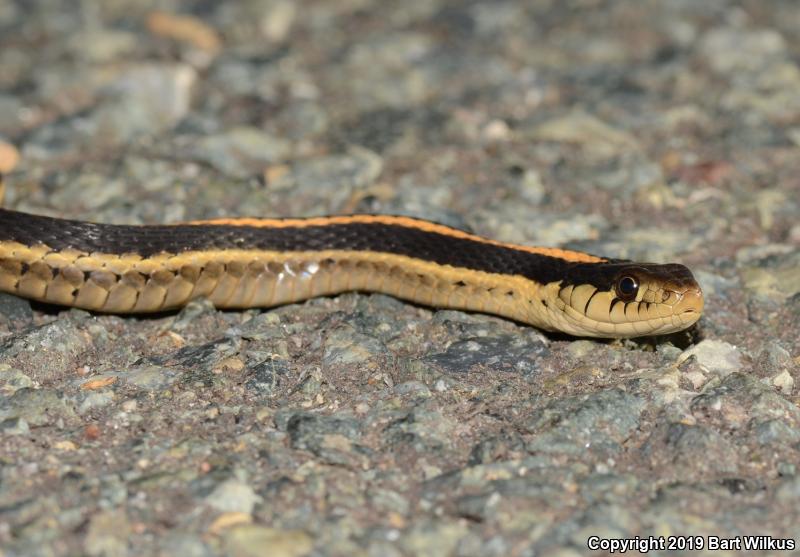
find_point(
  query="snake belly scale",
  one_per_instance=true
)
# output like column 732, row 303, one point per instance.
column 242, row 263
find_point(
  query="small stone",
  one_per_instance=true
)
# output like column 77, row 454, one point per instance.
column 586, row 131
column 330, row 438
column 94, row 400
column 184, row 28
column 784, row 381
column 388, row 500
column 787, row 469
column 107, row 534
column 156, row 96
column 96, row 383
column 382, row 71
column 773, row 278
column 15, row 426
column 15, row 312
column 151, row 378
column 774, row 358
column 12, row 110
column 531, row 188
column 184, row 544
column 346, row 347
column 92, row 432
column 267, row 21
column 12, row 380
column 276, row 19
column 496, row 130
column 414, row 388
column 138, row 100
column 229, row 520
column 332, row 175
column 9, row 157
column 579, row 349
column 431, row 539
column 788, row 491
column 714, row 356
column 729, row 50
column 265, row 376
column 65, row 445
column 103, row 45
column 229, row 364
column 253, row 541
column 38, row 407
column 241, row 152
column 233, row 496
column 696, row 378
column 548, row 230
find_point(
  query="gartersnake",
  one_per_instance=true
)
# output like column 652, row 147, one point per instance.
column 242, row 263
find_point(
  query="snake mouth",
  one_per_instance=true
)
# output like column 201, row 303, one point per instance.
column 690, row 302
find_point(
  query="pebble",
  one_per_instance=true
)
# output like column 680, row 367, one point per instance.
column 150, row 378
column 784, row 381
column 333, row 176
column 184, row 545
column 777, row 284
column 9, row 157
column 103, row 45
column 95, row 400
column 108, row 533
column 233, row 496
column 345, row 347
column 38, row 407
column 140, row 100
column 11, row 121
column 332, row 439
column 729, row 50
column 251, row 540
column 12, row 380
column 586, row 131
column 437, row 538
column 184, row 28
column 160, row 93
column 241, row 152
column 714, row 356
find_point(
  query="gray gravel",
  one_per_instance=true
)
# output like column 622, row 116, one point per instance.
column 360, row 425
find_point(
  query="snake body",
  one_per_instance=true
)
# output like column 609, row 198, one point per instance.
column 242, row 263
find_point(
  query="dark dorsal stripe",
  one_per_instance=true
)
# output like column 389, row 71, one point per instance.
column 60, row 234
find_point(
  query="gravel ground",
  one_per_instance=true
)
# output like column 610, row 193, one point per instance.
column 360, row 425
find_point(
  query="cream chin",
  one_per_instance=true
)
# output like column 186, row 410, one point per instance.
column 585, row 311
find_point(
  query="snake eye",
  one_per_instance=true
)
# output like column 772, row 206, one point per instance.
column 627, row 287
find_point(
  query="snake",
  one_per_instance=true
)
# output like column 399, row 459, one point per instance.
column 241, row 263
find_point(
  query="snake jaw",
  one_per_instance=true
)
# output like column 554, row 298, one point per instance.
column 667, row 299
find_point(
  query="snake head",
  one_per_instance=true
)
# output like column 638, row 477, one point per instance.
column 623, row 299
